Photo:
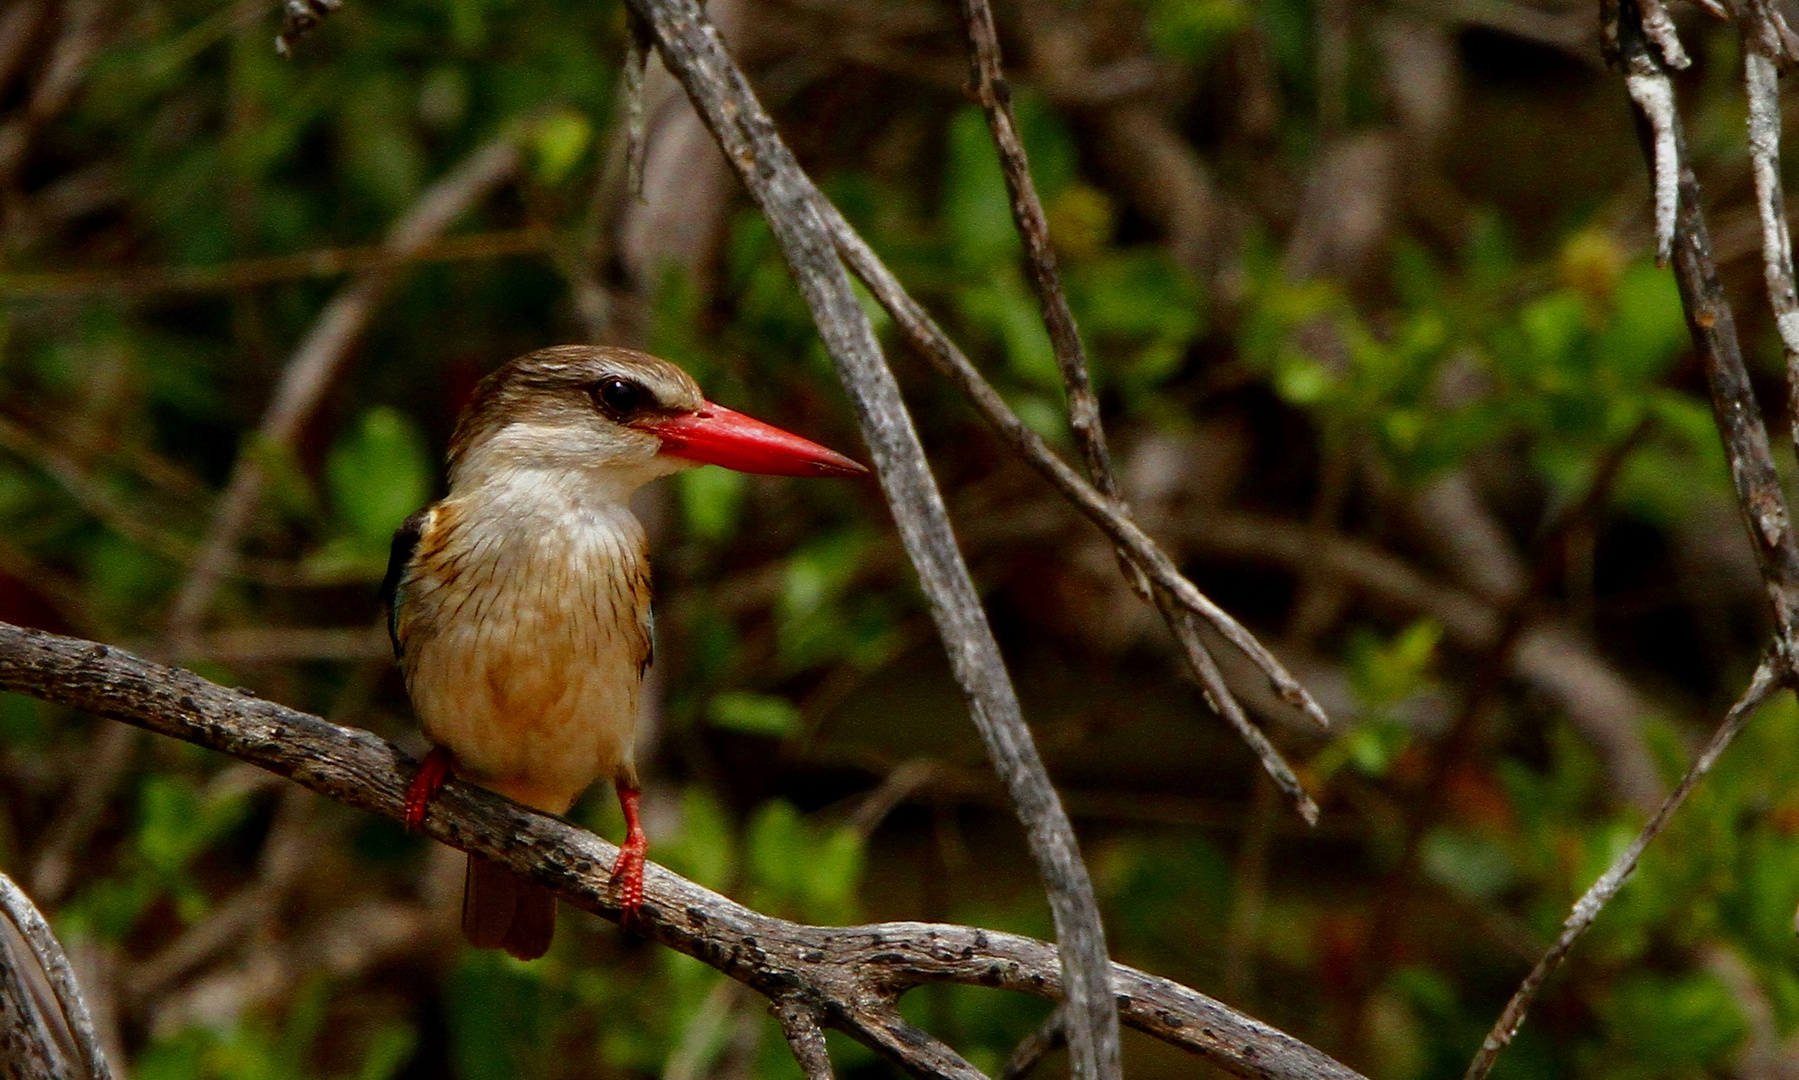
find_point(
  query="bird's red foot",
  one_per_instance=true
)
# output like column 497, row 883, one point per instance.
column 434, row 772
column 627, row 872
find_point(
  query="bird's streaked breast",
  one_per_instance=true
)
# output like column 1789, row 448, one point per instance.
column 524, row 617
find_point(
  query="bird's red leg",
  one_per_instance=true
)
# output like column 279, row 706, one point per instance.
column 434, row 773
column 627, row 872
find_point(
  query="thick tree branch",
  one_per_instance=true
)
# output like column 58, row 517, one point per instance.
column 849, row 976
column 693, row 52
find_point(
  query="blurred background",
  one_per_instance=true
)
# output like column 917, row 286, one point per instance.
column 1386, row 364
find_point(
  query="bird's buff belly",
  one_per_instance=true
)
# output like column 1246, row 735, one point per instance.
column 536, row 705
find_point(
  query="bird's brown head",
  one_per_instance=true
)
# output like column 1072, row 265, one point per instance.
column 622, row 417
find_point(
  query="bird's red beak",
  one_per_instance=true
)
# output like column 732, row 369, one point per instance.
column 716, row 435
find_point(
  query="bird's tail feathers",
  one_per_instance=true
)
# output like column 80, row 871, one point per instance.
column 501, row 910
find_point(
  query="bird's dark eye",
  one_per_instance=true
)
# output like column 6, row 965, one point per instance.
column 617, row 397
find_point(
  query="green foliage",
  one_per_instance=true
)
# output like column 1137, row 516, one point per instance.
column 264, row 1048
column 1536, row 346
column 1193, row 31
column 753, row 714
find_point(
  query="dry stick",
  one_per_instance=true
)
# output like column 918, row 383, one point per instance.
column 995, row 95
column 1761, row 84
column 849, row 976
column 317, row 362
column 947, row 358
column 1111, row 517
column 54, row 965
column 990, row 87
column 1218, row 696
column 693, row 52
column 637, row 143
column 803, row 1036
column 1660, row 29
column 1768, row 678
column 1713, row 328
column 1746, row 444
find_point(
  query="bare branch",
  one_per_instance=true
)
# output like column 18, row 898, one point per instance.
column 1219, row 697
column 1659, row 26
column 850, row 975
column 317, row 362
column 1761, row 83
column 1768, row 678
column 1653, row 93
column 995, row 96
column 804, row 1037
column 53, row 965
column 693, row 52
column 947, row 358
column 1713, row 329
column 637, row 59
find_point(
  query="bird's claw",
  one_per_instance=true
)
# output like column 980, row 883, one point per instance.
column 433, row 774
column 627, row 882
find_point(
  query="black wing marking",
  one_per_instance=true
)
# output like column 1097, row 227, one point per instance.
column 406, row 541
column 649, row 640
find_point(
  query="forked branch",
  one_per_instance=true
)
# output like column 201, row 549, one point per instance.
column 847, row 978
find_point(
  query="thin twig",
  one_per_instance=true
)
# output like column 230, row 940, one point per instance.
column 1761, row 84
column 693, row 52
column 54, row 964
column 1766, row 31
column 1653, row 93
column 1659, row 26
column 948, row 358
column 1768, row 678
column 803, row 1036
column 1219, row 697
column 317, row 362
column 851, row 975
column 995, row 96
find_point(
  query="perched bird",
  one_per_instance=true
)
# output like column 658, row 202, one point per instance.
column 519, row 604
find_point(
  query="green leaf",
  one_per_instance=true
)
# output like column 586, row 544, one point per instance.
column 378, row 474
column 977, row 210
column 711, row 500
column 557, row 143
column 1675, row 1022
column 1474, row 864
column 753, row 714
column 1193, row 31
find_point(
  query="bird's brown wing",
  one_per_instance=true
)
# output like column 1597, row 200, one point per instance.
column 405, row 543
